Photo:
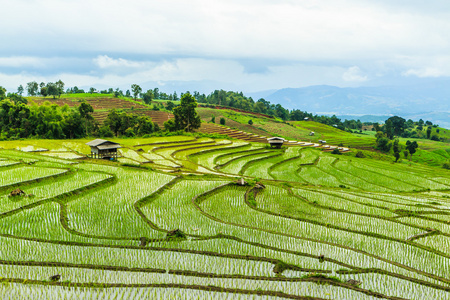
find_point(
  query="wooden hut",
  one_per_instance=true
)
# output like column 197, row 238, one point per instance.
column 276, row 142
column 103, row 148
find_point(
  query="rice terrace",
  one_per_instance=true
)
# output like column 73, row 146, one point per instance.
column 199, row 218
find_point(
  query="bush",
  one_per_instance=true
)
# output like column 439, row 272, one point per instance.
column 250, row 122
column 222, row 121
column 336, row 151
column 169, row 125
column 360, row 154
column 384, row 144
column 130, row 132
column 446, row 165
column 105, row 131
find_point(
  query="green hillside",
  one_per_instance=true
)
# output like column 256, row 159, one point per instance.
column 432, row 153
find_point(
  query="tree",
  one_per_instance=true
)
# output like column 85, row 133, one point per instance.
column 85, row 110
column 398, row 125
column 113, row 121
column 52, row 90
column 60, row 88
column 32, row 88
column 250, row 122
column 383, row 143
column 428, row 132
column 397, row 150
column 170, row 105
column 148, row 97
column 222, row 121
column 136, row 89
column 411, row 147
column 20, row 90
column 44, row 91
column 389, row 129
column 2, row 93
column 175, row 96
column 186, row 117
column 156, row 93
column 91, row 90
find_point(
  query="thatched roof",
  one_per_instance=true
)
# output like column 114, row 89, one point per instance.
column 103, row 144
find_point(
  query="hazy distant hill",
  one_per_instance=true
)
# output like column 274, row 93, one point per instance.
column 430, row 101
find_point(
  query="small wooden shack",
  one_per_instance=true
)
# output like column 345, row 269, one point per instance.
column 103, row 148
column 276, row 142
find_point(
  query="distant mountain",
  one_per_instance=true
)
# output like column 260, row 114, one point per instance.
column 430, row 100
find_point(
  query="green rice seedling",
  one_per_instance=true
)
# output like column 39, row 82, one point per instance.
column 438, row 242
column 6, row 163
column 406, row 177
column 326, row 164
column 374, row 178
column 277, row 200
column 183, row 154
column 232, row 210
column 132, row 155
column 64, row 155
column 110, row 212
column 223, row 158
column 315, row 176
column 26, row 174
column 235, row 166
column 31, row 157
column 52, row 188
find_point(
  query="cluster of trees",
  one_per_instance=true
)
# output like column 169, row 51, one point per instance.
column 186, row 117
column 19, row 120
column 409, row 129
column 150, row 95
column 121, row 123
column 238, row 100
column 55, row 89
column 394, row 127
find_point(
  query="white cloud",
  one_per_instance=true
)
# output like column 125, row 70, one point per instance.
column 354, row 74
column 298, row 30
column 426, row 72
column 20, row 61
column 104, row 62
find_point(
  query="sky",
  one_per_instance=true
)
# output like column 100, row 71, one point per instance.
column 245, row 45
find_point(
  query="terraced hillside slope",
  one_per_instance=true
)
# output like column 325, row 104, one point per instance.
column 169, row 220
column 433, row 153
column 102, row 105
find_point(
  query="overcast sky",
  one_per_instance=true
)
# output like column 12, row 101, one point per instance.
column 248, row 45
